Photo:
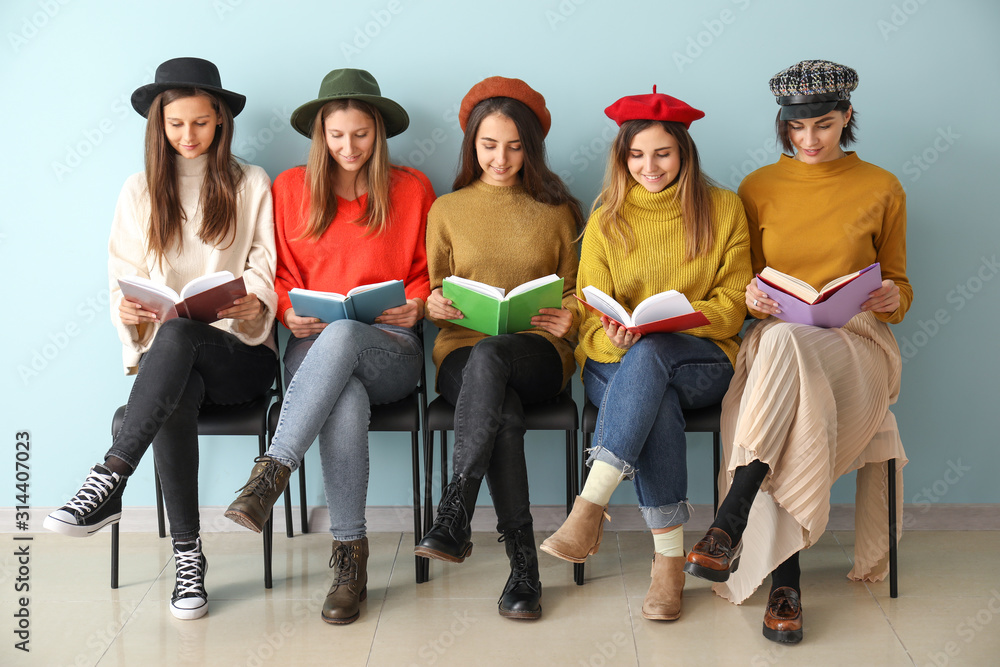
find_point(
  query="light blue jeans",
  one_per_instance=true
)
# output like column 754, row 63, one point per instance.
column 640, row 425
column 336, row 376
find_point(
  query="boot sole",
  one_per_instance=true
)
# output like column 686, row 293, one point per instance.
column 716, row 576
column 572, row 559
column 349, row 619
column 661, row 617
column 522, row 615
column 63, row 528
column 426, row 552
column 244, row 520
column 783, row 636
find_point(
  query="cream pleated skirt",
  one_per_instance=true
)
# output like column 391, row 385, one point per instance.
column 813, row 404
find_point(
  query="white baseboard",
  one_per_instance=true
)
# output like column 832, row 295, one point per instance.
column 546, row 517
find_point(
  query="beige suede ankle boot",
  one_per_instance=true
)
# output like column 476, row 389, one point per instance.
column 663, row 601
column 580, row 535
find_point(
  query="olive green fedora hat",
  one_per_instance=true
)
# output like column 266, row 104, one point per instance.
column 357, row 84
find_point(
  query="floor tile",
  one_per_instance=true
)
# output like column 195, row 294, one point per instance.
column 949, row 630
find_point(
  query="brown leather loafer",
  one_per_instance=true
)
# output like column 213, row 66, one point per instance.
column 783, row 618
column 714, row 557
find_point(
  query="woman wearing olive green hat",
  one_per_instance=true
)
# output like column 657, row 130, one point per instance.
column 346, row 218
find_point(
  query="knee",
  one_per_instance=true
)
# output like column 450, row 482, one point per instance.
column 178, row 331
column 488, row 356
column 780, row 338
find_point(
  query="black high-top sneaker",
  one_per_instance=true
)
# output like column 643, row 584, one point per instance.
column 189, row 601
column 97, row 504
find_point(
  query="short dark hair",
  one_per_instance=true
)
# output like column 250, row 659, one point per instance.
column 847, row 136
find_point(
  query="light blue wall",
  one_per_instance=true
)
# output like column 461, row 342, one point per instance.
column 929, row 91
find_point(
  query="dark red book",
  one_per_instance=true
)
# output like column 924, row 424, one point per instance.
column 201, row 299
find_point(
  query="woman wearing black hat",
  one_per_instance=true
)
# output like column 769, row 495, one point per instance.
column 509, row 220
column 659, row 224
column 194, row 210
column 809, row 404
column 347, row 218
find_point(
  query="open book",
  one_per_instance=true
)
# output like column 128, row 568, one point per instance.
column 666, row 312
column 363, row 303
column 201, row 299
column 489, row 310
column 831, row 306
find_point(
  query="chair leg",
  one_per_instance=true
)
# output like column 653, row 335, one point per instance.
column 428, row 480
column 160, row 525
column 417, row 532
column 716, row 464
column 893, row 583
column 303, row 504
column 444, row 460
column 268, row 544
column 289, row 529
column 579, row 573
column 114, row 555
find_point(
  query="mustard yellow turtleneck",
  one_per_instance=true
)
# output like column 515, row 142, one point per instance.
column 821, row 221
column 714, row 282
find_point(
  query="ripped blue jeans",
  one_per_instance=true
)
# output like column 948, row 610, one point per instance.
column 640, row 425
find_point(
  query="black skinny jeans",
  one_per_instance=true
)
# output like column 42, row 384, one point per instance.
column 188, row 364
column 488, row 384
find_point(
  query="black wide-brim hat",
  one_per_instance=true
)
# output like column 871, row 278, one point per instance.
column 186, row 73
column 356, row 84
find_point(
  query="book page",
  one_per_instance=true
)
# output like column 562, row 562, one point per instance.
column 532, row 284
column 365, row 288
column 205, row 283
column 607, row 305
column 475, row 286
column 156, row 289
column 330, row 296
column 789, row 284
column 662, row 306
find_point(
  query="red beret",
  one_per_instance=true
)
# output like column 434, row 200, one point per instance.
column 498, row 86
column 656, row 106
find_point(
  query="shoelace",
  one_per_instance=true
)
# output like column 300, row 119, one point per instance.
column 519, row 573
column 263, row 481
column 190, row 573
column 96, row 489
column 451, row 511
column 346, row 566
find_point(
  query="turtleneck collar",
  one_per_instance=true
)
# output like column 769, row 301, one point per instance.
column 191, row 167
column 496, row 190
column 821, row 169
column 664, row 200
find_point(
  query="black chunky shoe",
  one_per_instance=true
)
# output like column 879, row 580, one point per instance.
column 450, row 539
column 523, row 591
column 97, row 504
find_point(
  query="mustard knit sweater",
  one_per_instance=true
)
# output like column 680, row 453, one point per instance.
column 502, row 237
column 821, row 221
column 714, row 283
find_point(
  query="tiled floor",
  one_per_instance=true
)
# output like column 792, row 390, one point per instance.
column 948, row 612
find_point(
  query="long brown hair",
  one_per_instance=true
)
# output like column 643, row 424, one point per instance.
column 540, row 182
column 218, row 192
column 320, row 171
column 693, row 189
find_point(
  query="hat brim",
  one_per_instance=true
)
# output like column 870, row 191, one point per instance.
column 143, row 96
column 809, row 110
column 393, row 115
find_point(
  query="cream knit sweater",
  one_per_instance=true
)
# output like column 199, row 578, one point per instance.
column 251, row 253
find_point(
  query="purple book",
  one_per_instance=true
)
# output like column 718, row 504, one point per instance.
column 835, row 305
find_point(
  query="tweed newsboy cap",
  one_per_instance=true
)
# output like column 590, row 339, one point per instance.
column 812, row 88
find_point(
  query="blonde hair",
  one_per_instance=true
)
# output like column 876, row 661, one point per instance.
column 693, row 189
column 320, row 171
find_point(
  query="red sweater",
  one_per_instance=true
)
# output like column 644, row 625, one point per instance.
column 345, row 257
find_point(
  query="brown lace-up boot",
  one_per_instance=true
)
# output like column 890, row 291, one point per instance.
column 267, row 482
column 350, row 581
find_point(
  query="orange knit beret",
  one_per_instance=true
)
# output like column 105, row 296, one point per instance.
column 498, row 86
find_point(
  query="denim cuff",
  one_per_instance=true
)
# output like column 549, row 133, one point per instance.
column 666, row 516
column 291, row 463
column 599, row 453
column 348, row 538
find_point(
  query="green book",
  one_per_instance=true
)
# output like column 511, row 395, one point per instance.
column 488, row 310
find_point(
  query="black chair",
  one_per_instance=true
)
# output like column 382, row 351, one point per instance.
column 557, row 414
column 256, row 417
column 700, row 420
column 404, row 415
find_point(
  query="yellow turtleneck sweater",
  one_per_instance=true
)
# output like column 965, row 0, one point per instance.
column 714, row 282
column 821, row 221
column 502, row 237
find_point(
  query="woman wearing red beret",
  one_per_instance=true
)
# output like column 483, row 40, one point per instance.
column 809, row 404
column 509, row 220
column 658, row 225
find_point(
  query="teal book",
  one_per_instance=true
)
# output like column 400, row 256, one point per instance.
column 363, row 303
column 489, row 310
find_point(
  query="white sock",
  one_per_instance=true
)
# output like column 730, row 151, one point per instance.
column 670, row 543
column 601, row 483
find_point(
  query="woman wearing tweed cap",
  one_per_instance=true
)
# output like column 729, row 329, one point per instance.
column 809, row 404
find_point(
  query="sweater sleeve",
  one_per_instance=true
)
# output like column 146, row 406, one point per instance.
column 258, row 273
column 890, row 247
column 418, row 281
column 439, row 259
column 127, row 257
column 569, row 264
column 757, row 263
column 594, row 270
column 286, row 216
column 724, row 305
